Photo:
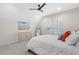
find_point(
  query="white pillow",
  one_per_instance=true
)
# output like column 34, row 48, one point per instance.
column 75, row 33
column 72, row 39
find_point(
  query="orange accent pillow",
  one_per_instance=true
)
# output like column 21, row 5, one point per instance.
column 65, row 35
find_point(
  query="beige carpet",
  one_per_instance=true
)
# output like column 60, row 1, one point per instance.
column 18, row 48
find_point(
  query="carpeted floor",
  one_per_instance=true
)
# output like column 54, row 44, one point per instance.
column 18, row 48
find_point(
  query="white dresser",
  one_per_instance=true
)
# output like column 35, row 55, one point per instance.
column 24, row 35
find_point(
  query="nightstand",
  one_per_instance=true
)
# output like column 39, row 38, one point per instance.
column 24, row 35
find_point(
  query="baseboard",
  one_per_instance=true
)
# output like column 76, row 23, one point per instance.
column 9, row 43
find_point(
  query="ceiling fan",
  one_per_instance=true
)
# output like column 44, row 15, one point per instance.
column 39, row 7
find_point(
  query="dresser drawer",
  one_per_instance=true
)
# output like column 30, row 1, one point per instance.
column 24, row 35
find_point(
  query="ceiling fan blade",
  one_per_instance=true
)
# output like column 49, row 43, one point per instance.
column 32, row 9
column 42, row 5
column 41, row 11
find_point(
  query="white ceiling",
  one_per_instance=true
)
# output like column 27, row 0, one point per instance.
column 22, row 9
column 50, row 8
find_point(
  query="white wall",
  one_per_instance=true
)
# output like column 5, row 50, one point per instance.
column 8, row 24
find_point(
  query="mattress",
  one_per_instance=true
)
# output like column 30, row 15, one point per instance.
column 50, row 45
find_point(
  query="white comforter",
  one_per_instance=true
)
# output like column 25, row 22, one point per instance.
column 50, row 45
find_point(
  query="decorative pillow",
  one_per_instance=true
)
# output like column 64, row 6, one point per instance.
column 65, row 35
column 72, row 39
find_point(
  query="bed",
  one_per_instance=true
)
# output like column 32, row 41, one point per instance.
column 50, row 45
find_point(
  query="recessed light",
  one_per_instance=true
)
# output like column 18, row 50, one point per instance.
column 59, row 8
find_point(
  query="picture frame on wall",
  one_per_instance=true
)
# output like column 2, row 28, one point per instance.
column 23, row 24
